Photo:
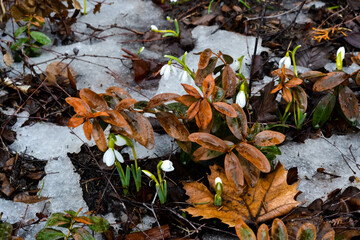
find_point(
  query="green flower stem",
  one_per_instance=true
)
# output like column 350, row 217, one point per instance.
column 293, row 58
column 183, row 64
column 84, row 7
column 124, row 178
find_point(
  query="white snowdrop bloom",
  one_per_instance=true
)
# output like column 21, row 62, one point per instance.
column 173, row 1
column 186, row 78
column 110, row 155
column 218, row 180
column 285, row 61
column 120, row 141
column 153, row 27
column 341, row 51
column 166, row 70
column 167, row 166
column 241, row 99
column 147, row 173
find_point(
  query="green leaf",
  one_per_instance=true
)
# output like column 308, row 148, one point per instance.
column 49, row 234
column 5, row 230
column 100, row 224
column 141, row 105
column 20, row 30
column 58, row 219
column 16, row 45
column 228, row 59
column 71, row 213
column 40, row 37
column 271, row 149
column 323, row 110
column 81, row 233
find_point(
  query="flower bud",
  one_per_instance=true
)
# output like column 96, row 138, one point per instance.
column 167, row 166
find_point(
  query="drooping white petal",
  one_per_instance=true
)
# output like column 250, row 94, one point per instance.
column 109, row 157
column 285, row 61
column 186, row 78
column 147, row 173
column 341, row 51
column 218, row 180
column 118, row 156
column 153, row 27
column 120, row 141
column 167, row 166
column 241, row 99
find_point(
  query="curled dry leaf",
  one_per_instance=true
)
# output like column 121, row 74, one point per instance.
column 229, row 81
column 57, row 73
column 238, row 125
column 225, row 109
column 349, row 103
column 300, row 98
column 94, row 100
column 173, row 126
column 205, row 114
column 329, row 81
column 201, row 74
column 208, row 86
column 288, row 73
column 187, row 100
column 270, row 198
column 203, row 153
column 28, row 199
column 233, row 169
column 191, row 90
column 118, row 92
column 125, row 104
column 269, row 138
column 161, row 98
column 99, row 136
column 204, row 58
column 209, row 141
column 7, row 58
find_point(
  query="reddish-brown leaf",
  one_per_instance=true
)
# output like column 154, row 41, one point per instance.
column 6, row 187
column 263, row 232
column 80, row 106
column 161, row 98
column 201, row 74
column 204, row 58
column 209, row 141
column 191, row 90
column 141, row 128
column 278, row 72
column 173, row 126
column 243, row 231
column 208, row 86
column 203, row 153
column 185, row 146
column 93, row 99
column 187, row 100
column 193, row 110
column 99, row 114
column 238, row 125
column 99, row 136
column 24, row 197
column 287, row 94
column 254, row 155
column 71, row 79
column 269, row 138
column 278, row 230
column 233, row 169
column 83, row 219
column 300, row 98
column 276, row 89
column 125, row 104
column 118, row 92
column 229, row 81
column 311, row 74
column 225, row 109
column 307, row 231
column 205, row 114
column 251, row 173
column 88, row 129
column 75, row 121
column 349, row 103
column 116, row 119
column 293, row 82
column 329, row 81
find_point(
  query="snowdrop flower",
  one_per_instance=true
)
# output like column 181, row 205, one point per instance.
column 166, row 70
column 218, row 180
column 167, row 166
column 340, row 55
column 173, row 1
column 218, row 190
column 154, row 28
column 110, row 155
column 241, row 99
column 120, row 141
column 186, row 78
column 285, row 61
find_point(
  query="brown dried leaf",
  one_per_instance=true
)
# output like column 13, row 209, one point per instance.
column 238, row 125
column 306, row 232
column 269, row 138
column 243, row 231
column 99, row 136
column 94, row 100
column 278, row 230
column 263, row 232
column 293, row 82
column 88, row 129
column 125, row 104
column 116, row 119
column 233, row 169
column 28, row 199
column 193, row 110
column 270, row 198
column 204, row 114
column 187, row 100
column 265, row 105
column 203, row 153
column 71, row 79
column 191, row 90
column 7, row 58
column 225, row 109
column 141, row 128
column 173, row 126
column 209, row 141
column 204, row 58
column 161, row 98
column 311, row 74
column 329, row 81
column 57, row 73
column 118, row 92
column 300, row 98
column 201, row 74
column 349, row 103
column 79, row 105
column 254, row 155
column 75, row 121
column 76, row 4
column 208, row 86
column 288, row 73
column 6, row 188
column 229, row 81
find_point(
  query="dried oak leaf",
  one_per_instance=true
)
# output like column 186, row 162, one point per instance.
column 270, row 198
